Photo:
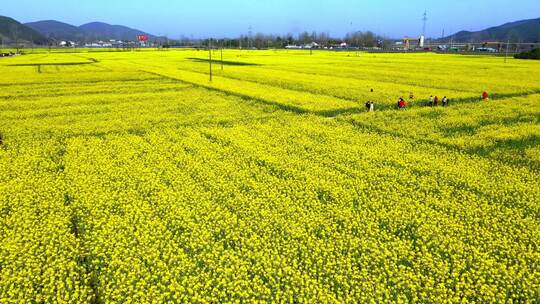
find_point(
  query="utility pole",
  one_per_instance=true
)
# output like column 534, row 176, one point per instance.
column 250, row 33
column 210, row 54
column 506, row 53
column 15, row 32
column 222, row 55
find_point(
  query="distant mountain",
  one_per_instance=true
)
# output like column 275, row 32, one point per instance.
column 12, row 31
column 519, row 31
column 94, row 31
column 104, row 31
column 56, row 30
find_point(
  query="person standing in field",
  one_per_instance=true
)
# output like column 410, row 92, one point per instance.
column 430, row 101
column 485, row 96
column 369, row 104
column 444, row 101
column 436, row 101
column 371, row 107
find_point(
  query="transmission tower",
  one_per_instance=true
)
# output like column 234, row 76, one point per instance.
column 424, row 19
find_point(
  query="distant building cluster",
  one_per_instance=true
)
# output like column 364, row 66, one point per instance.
column 105, row 44
column 315, row 45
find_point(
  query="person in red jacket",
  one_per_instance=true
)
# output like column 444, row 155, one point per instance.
column 402, row 103
column 436, row 101
column 485, row 96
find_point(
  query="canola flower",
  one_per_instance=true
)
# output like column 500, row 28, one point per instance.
column 134, row 179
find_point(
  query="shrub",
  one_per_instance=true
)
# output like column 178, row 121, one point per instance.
column 532, row 54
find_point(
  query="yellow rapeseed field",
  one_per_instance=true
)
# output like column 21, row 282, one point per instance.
column 129, row 177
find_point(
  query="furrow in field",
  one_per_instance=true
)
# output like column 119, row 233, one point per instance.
column 39, row 249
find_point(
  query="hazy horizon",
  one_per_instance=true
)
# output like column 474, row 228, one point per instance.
column 233, row 18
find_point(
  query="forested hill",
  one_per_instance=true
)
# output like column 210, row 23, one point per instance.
column 519, row 31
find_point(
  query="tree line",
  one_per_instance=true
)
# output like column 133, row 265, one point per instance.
column 265, row 41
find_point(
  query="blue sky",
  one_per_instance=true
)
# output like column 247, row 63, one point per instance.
column 231, row 18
